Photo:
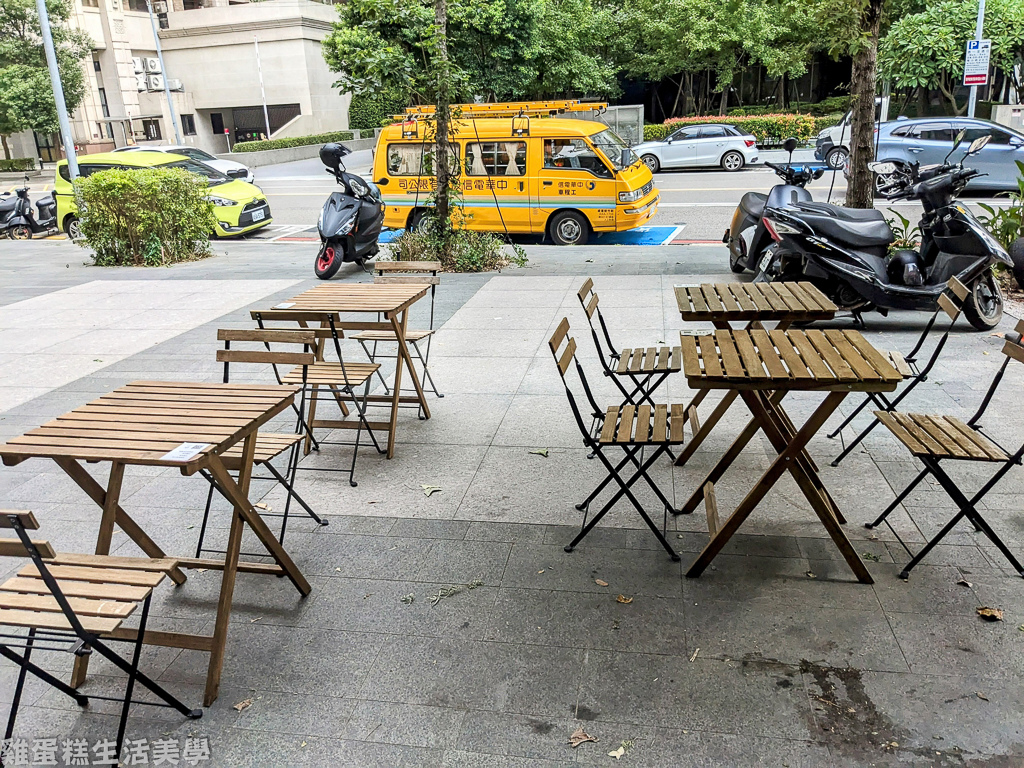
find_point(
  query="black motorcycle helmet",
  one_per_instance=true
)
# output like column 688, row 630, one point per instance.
column 331, row 155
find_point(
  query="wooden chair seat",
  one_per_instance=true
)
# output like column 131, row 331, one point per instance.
column 269, row 445
column 900, row 363
column 649, row 360
column 941, row 437
column 633, row 425
column 325, row 373
column 410, row 335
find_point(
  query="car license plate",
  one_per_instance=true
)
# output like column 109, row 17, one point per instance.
column 765, row 261
column 259, row 215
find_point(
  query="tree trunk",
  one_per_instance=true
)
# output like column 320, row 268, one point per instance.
column 679, row 93
column 7, row 149
column 724, row 103
column 442, row 98
column 860, row 190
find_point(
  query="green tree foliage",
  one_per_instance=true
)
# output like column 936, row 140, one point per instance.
column 499, row 49
column 26, row 97
column 926, row 49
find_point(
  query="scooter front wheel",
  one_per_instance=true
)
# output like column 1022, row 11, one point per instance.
column 328, row 261
column 984, row 307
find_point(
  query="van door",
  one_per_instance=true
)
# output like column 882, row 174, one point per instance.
column 495, row 186
column 573, row 175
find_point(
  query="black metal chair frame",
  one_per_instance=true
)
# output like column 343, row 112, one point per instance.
column 644, row 383
column 340, row 391
column 287, row 480
column 633, row 452
column 1013, row 349
column 79, row 642
column 950, row 302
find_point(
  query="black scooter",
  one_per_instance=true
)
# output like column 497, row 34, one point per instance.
column 845, row 251
column 19, row 222
column 746, row 237
column 350, row 221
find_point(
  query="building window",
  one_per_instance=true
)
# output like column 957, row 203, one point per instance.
column 103, row 102
column 95, row 65
column 151, row 127
column 90, row 3
column 188, row 125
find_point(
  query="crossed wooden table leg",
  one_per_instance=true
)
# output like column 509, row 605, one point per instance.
column 244, row 514
column 791, row 446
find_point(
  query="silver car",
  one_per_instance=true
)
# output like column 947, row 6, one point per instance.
column 700, row 145
column 229, row 168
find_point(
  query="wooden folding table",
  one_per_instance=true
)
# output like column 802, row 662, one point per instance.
column 751, row 304
column 169, row 424
column 390, row 300
column 762, row 367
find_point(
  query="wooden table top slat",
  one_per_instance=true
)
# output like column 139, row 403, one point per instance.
column 359, row 297
column 142, row 422
column 769, row 360
column 882, row 365
column 726, row 302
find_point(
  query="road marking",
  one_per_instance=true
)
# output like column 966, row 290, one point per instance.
column 290, row 229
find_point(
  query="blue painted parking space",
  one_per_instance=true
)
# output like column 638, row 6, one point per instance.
column 638, row 236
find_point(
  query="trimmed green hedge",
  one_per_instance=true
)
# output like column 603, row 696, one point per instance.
column 18, row 164
column 369, row 112
column 768, row 129
column 655, row 132
column 297, row 141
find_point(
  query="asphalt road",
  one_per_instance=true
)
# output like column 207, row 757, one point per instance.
column 703, row 200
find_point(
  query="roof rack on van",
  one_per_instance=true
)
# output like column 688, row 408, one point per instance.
column 512, row 108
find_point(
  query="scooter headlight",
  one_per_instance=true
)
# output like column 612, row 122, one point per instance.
column 359, row 189
column 347, row 227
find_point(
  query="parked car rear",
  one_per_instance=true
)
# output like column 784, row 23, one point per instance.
column 695, row 146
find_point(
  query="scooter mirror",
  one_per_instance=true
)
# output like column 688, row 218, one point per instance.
column 882, row 169
column 959, row 138
column 383, row 181
column 790, row 144
column 978, row 144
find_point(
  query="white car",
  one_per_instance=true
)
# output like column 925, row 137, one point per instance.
column 700, row 145
column 227, row 167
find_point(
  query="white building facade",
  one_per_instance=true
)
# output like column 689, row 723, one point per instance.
column 210, row 57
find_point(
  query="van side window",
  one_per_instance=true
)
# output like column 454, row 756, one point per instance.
column 415, row 159
column 574, row 155
column 496, row 158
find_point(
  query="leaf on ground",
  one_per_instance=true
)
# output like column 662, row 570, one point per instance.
column 589, row 261
column 617, row 753
column 981, row 695
column 694, row 657
column 541, row 452
column 253, row 621
column 579, row 736
column 475, row 583
column 541, row 571
column 430, row 489
column 810, row 575
column 243, row 705
column 624, row 600
column 601, row 582
column 263, row 506
column 964, row 583
column 870, row 556
column 409, row 599
column 990, row 614
column 998, row 334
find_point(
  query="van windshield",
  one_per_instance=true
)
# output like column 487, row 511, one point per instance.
column 614, row 149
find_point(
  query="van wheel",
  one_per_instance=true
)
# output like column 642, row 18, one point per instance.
column 732, row 161
column 652, row 162
column 835, row 158
column 73, row 227
column 416, row 219
column 569, row 228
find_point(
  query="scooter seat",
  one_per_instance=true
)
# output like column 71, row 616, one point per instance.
column 856, row 227
column 752, row 203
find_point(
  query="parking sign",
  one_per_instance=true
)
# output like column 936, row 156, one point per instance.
column 976, row 62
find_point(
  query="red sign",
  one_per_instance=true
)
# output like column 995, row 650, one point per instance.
column 975, row 79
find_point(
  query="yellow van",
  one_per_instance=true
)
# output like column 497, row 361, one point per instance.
column 560, row 177
column 239, row 207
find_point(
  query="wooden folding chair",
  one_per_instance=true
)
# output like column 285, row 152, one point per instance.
column 76, row 604
column 339, row 378
column 420, row 273
column 934, row 439
column 629, row 427
column 951, row 302
column 269, row 445
column 647, row 368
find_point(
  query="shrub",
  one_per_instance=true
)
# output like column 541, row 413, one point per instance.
column 144, row 216
column 18, row 164
column 654, row 132
column 368, row 112
column 462, row 250
column 297, row 141
column 766, row 128
column 826, row 121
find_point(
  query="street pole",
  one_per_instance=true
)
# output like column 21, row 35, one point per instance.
column 973, row 100
column 163, row 71
column 263, row 93
column 58, row 89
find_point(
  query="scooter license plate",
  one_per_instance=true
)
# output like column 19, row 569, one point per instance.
column 765, row 261
column 259, row 215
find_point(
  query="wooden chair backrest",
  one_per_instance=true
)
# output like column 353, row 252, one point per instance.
column 1013, row 346
column 951, row 301
column 418, row 272
column 14, row 547
column 304, row 338
column 555, row 342
column 589, row 305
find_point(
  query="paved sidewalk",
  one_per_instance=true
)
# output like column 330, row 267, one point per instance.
column 775, row 656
